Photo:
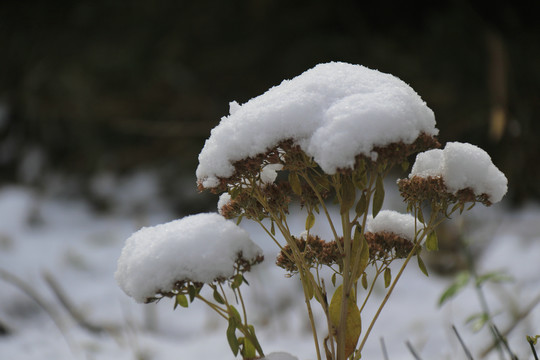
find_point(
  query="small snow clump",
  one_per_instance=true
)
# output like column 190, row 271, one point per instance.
column 462, row 166
column 334, row 112
column 279, row 356
column 224, row 199
column 198, row 248
column 392, row 221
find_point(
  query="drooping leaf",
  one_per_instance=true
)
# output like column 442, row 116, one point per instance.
column 477, row 321
column 310, row 221
column 404, row 165
column 181, row 300
column 387, row 277
column 294, row 181
column 237, row 281
column 255, row 340
column 421, row 265
column 231, row 337
column 235, row 315
column 248, row 349
column 239, row 220
column 348, row 194
column 193, row 291
column 378, row 196
column 360, row 244
column 462, row 279
column 218, row 297
column 420, row 215
column 495, row 277
column 333, row 278
column 309, row 289
column 361, row 205
column 364, row 281
column 353, row 326
column 272, row 228
column 432, row 243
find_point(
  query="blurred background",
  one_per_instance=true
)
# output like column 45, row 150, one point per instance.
column 96, row 92
column 105, row 106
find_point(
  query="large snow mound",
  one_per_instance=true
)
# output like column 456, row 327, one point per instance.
column 394, row 222
column 334, row 111
column 199, row 248
column 461, row 166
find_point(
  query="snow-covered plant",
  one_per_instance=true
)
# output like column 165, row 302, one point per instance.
column 179, row 258
column 326, row 140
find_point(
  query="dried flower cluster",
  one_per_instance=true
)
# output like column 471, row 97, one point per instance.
column 186, row 286
column 383, row 246
column 397, row 153
column 387, row 246
column 417, row 190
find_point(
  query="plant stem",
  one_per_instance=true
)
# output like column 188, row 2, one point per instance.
column 387, row 296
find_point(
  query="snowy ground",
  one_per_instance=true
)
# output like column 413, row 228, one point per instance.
column 79, row 249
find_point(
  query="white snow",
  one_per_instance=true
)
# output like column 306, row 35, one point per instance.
column 80, row 248
column 269, row 173
column 199, row 248
column 334, row 111
column 462, row 165
column 224, row 199
column 394, row 222
column 279, row 356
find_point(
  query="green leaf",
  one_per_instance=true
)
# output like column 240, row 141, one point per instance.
column 420, row 215
column 353, row 327
column 248, row 350
column 237, row 281
column 235, row 315
column 361, row 205
column 533, row 340
column 181, row 300
column 432, row 243
column 477, row 321
column 272, row 228
column 231, row 337
column 495, row 277
column 294, row 180
column 333, row 279
column 309, row 288
column 364, row 254
column 421, row 265
column 378, row 196
column 256, row 341
column 234, row 193
column 405, row 165
column 462, row 279
column 310, row 221
column 193, row 291
column 387, row 277
column 348, row 194
column 239, row 220
column 364, row 281
column 218, row 297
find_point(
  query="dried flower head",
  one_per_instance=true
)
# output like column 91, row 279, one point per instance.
column 387, row 246
column 416, row 190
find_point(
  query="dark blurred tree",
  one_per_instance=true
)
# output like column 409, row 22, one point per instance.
column 109, row 85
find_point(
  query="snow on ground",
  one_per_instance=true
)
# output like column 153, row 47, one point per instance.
column 80, row 249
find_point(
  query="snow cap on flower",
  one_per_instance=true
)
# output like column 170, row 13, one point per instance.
column 462, row 166
column 334, row 112
column 201, row 248
column 224, row 199
column 394, row 222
